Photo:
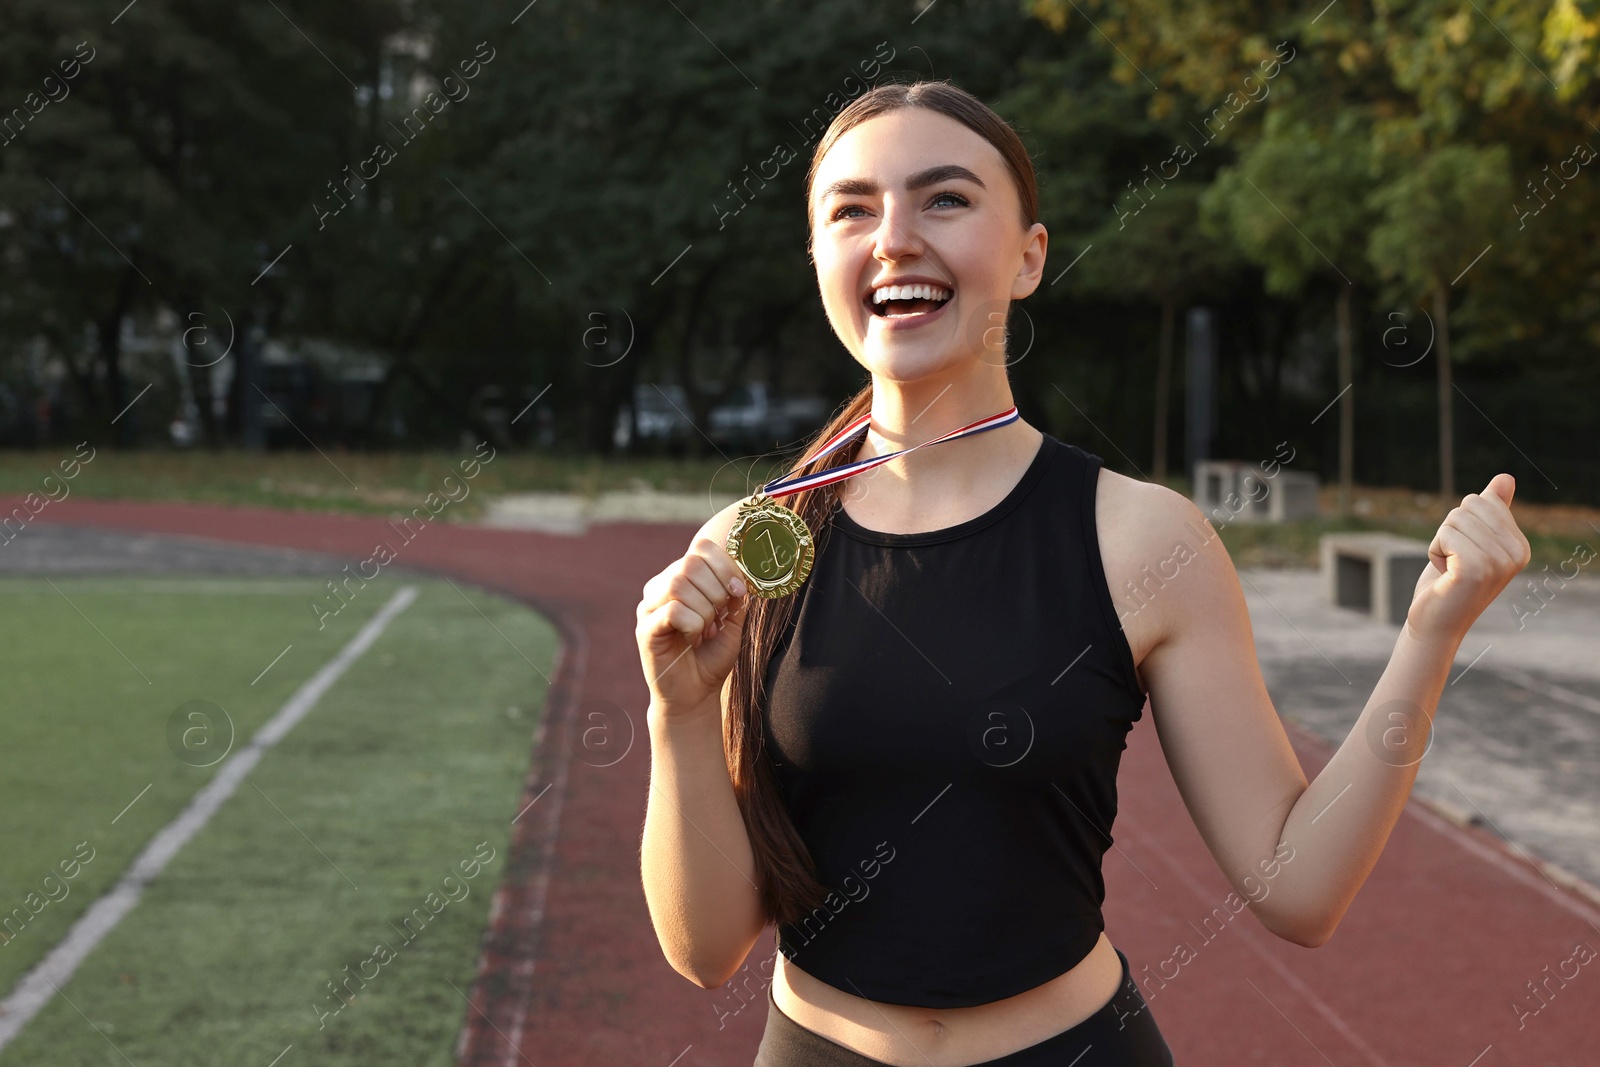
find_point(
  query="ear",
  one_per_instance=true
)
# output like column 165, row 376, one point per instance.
column 1035, row 243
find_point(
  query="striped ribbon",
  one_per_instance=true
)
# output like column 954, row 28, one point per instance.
column 783, row 487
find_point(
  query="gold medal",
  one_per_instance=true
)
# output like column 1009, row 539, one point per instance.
column 771, row 546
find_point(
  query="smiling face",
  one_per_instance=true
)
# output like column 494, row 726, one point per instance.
column 914, row 194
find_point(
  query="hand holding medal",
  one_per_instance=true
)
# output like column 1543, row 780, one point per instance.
column 771, row 544
column 690, row 626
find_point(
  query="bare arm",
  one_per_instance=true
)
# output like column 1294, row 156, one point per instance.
column 695, row 856
column 699, row 873
column 1342, row 821
column 1228, row 751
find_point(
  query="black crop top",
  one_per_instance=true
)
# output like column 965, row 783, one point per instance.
column 945, row 715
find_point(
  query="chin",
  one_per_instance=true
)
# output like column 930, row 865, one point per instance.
column 907, row 363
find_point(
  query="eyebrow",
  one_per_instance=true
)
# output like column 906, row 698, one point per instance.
column 919, row 180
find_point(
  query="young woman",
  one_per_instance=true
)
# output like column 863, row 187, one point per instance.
column 909, row 764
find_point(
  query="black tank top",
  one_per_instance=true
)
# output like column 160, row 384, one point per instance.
column 946, row 713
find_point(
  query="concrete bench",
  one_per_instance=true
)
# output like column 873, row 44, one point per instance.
column 1233, row 491
column 1374, row 573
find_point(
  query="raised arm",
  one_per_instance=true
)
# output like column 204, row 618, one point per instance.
column 695, row 856
column 1227, row 749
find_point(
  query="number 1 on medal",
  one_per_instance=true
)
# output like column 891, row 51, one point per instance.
column 778, row 562
column 786, row 547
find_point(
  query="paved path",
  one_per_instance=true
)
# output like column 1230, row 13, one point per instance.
column 1452, row 930
column 1516, row 746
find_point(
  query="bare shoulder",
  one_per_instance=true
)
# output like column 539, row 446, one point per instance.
column 1136, row 510
column 1148, row 533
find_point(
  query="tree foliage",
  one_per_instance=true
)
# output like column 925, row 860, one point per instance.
column 616, row 179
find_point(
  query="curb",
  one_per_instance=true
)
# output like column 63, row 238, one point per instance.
column 1468, row 820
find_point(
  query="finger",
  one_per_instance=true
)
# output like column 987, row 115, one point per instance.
column 1472, row 560
column 731, row 613
column 1502, row 486
column 661, row 588
column 654, row 593
column 699, row 571
column 1436, row 550
column 1491, row 547
column 1447, row 542
column 654, row 625
column 716, row 557
column 1491, row 508
column 672, row 616
column 1496, row 515
column 664, row 595
column 1439, row 548
column 683, row 589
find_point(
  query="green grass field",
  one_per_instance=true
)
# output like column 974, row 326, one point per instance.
column 379, row 483
column 410, row 766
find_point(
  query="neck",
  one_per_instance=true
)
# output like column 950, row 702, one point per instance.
column 907, row 489
column 905, row 414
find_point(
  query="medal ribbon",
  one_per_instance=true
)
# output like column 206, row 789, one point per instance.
column 783, row 487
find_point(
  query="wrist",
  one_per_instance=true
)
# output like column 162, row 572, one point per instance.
column 661, row 717
column 1433, row 644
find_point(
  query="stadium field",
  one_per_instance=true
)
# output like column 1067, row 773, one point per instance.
column 331, row 909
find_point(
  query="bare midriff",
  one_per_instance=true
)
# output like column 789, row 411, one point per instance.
column 909, row 1036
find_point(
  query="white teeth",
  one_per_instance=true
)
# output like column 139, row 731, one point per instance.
column 910, row 292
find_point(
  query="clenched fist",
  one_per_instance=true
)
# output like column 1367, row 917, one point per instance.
column 1475, row 554
column 691, row 621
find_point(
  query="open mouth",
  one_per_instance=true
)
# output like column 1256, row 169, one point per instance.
column 902, row 301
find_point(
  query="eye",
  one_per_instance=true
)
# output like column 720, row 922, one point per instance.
column 960, row 201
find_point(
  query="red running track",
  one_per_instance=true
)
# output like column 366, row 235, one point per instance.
column 1451, row 932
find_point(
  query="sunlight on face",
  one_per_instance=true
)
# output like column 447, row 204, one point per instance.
column 962, row 231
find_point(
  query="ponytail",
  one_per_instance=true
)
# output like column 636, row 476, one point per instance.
column 785, row 870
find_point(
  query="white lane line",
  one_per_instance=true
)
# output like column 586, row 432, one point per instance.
column 34, row 989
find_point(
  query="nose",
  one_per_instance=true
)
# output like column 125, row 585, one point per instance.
column 897, row 236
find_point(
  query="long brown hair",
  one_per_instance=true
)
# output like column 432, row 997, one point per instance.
column 785, row 871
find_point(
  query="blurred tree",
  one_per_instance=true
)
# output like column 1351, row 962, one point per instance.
column 146, row 184
column 1420, row 83
column 1155, row 249
column 655, row 165
column 1571, row 40
column 1438, row 214
column 632, row 171
column 1296, row 203
column 648, row 169
column 1122, row 189
column 397, row 258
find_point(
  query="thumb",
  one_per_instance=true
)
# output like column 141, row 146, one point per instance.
column 1503, row 486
